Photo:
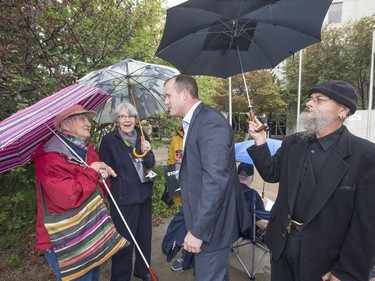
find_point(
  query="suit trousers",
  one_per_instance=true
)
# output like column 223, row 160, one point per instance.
column 212, row 266
column 138, row 218
column 288, row 266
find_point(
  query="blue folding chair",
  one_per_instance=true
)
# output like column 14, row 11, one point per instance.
column 254, row 236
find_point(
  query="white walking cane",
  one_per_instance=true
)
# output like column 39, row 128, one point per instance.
column 113, row 200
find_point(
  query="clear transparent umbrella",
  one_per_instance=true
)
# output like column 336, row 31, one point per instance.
column 134, row 81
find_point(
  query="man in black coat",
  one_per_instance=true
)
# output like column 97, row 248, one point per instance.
column 321, row 225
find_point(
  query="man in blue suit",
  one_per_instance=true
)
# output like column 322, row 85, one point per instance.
column 214, row 206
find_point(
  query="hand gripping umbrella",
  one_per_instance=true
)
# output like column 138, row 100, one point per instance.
column 223, row 38
column 134, row 81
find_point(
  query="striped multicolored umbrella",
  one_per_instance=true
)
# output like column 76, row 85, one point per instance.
column 21, row 133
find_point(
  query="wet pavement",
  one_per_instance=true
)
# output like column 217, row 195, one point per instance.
column 163, row 271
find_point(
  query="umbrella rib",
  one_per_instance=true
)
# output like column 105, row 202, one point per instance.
column 228, row 30
column 144, row 78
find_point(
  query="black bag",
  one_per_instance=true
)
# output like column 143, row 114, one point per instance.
column 166, row 198
column 145, row 175
column 171, row 173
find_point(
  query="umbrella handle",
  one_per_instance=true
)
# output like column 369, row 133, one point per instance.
column 139, row 122
column 139, row 155
column 142, row 139
column 252, row 118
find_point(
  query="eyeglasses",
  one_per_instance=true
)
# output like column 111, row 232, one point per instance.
column 126, row 117
column 317, row 100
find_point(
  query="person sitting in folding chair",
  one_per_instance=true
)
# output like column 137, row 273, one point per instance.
column 245, row 174
column 255, row 233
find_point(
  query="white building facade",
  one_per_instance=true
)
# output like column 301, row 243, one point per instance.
column 342, row 11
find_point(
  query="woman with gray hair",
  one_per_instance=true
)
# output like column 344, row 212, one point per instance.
column 131, row 193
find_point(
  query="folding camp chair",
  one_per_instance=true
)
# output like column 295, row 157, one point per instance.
column 254, row 237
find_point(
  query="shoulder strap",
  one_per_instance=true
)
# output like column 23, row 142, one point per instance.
column 126, row 143
column 45, row 209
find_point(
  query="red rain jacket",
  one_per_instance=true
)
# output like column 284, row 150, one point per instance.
column 66, row 183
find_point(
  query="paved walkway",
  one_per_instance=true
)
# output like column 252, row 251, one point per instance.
column 164, row 273
column 162, row 268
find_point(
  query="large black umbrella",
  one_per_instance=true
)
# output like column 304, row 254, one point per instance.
column 222, row 38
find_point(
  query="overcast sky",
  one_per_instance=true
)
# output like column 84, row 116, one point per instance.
column 172, row 3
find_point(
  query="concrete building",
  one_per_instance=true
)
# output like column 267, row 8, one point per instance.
column 342, row 11
column 359, row 125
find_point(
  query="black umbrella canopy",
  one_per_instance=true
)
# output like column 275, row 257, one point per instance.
column 223, row 38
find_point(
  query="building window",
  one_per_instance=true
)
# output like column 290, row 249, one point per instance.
column 335, row 13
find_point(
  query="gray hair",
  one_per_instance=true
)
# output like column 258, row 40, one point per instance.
column 128, row 107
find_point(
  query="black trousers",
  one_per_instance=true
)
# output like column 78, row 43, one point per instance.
column 138, row 218
column 288, row 266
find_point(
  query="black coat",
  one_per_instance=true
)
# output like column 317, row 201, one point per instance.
column 339, row 230
column 127, row 188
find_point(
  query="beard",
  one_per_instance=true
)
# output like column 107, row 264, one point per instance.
column 313, row 123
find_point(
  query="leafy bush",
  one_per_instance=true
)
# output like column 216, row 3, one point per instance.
column 18, row 206
column 13, row 261
column 239, row 136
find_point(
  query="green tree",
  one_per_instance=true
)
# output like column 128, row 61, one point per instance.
column 47, row 45
column 264, row 93
column 344, row 53
column 207, row 86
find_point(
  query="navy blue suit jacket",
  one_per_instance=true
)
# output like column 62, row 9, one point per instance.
column 214, row 206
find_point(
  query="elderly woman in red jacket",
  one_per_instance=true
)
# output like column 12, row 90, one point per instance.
column 62, row 177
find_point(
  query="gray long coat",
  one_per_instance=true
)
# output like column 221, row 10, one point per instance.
column 339, row 231
column 214, row 205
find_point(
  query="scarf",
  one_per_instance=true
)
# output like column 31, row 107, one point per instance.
column 78, row 145
column 131, row 139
